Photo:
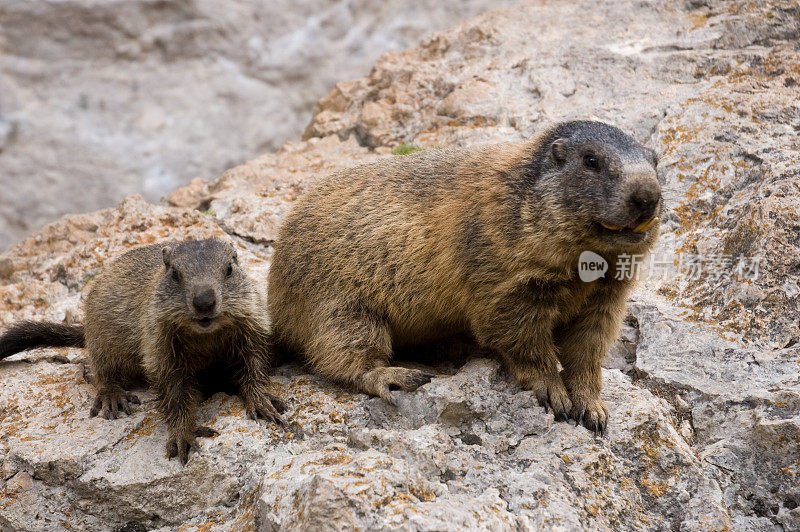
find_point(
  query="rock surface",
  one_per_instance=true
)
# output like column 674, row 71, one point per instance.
column 99, row 100
column 703, row 387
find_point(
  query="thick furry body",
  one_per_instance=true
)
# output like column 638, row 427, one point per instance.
column 480, row 241
column 165, row 313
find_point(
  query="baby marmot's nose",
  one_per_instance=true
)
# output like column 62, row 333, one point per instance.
column 205, row 300
column 643, row 202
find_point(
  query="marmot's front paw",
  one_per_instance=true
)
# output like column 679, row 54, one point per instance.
column 590, row 411
column 551, row 393
column 110, row 403
column 268, row 407
column 180, row 444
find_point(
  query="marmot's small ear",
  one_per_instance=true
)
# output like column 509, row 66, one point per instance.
column 234, row 254
column 558, row 149
column 166, row 254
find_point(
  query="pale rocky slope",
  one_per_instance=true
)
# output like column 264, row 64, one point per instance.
column 703, row 388
column 100, row 99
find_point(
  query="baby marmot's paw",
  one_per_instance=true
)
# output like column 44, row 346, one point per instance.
column 110, row 403
column 180, row 444
column 266, row 406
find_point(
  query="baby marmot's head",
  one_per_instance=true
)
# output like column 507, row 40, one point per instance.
column 601, row 185
column 203, row 285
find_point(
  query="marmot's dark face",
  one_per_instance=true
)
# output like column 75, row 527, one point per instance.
column 202, row 284
column 607, row 186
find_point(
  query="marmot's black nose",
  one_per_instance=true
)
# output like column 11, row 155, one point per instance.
column 204, row 301
column 643, row 203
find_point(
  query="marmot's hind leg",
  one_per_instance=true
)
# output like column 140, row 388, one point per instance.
column 381, row 381
column 355, row 348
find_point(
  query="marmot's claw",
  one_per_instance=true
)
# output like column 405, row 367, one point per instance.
column 552, row 396
column 278, row 403
column 424, row 377
column 180, row 446
column 267, row 410
column 278, row 420
column 590, row 412
column 600, row 428
column 381, row 381
column 544, row 402
column 205, row 432
column 560, row 413
column 579, row 419
column 111, row 403
column 98, row 404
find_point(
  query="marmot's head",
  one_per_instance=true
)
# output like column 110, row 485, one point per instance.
column 203, row 287
column 600, row 185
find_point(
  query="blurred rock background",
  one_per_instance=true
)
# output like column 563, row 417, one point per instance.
column 100, row 99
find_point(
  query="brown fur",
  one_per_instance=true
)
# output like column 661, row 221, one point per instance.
column 480, row 241
column 142, row 323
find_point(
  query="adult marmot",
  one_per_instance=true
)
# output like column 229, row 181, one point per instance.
column 483, row 241
column 167, row 312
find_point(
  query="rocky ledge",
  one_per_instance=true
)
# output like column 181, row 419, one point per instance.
column 703, row 386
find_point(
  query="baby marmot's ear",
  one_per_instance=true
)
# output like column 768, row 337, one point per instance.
column 558, row 150
column 234, row 254
column 166, row 254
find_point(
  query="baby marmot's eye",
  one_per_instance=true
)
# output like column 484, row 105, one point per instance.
column 175, row 275
column 229, row 271
column 591, row 162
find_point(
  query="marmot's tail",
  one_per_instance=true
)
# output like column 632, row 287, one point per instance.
column 30, row 334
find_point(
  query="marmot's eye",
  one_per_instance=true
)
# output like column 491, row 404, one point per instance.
column 229, row 271
column 175, row 275
column 591, row 162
